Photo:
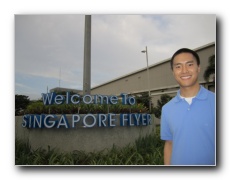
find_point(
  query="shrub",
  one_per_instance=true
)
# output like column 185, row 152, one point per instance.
column 39, row 108
column 21, row 102
column 147, row 150
column 160, row 103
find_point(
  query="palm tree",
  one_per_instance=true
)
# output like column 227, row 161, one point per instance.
column 210, row 69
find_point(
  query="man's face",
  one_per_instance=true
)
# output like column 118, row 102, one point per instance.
column 186, row 70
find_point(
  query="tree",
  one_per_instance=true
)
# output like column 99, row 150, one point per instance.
column 21, row 102
column 160, row 103
column 210, row 69
column 143, row 98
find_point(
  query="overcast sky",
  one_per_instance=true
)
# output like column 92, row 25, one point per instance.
column 49, row 48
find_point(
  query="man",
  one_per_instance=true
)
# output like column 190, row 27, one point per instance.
column 188, row 120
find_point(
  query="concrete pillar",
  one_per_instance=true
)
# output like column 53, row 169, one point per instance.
column 87, row 56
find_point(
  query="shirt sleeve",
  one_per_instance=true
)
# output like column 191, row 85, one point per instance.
column 165, row 128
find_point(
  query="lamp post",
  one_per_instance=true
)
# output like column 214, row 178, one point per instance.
column 146, row 51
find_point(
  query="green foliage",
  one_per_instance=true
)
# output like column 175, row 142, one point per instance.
column 39, row 108
column 23, row 152
column 21, row 102
column 147, row 150
column 143, row 98
column 210, row 69
column 160, row 103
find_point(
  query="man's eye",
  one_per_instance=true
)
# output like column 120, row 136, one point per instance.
column 190, row 64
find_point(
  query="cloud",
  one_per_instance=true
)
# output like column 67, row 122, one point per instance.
column 44, row 44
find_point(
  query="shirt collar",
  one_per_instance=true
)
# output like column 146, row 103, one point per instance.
column 202, row 94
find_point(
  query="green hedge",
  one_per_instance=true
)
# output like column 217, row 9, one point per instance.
column 40, row 108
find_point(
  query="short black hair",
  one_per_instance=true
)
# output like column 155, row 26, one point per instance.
column 185, row 50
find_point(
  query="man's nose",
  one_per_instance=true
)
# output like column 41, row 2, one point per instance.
column 184, row 69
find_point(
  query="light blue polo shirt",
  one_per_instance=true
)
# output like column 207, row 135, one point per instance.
column 191, row 128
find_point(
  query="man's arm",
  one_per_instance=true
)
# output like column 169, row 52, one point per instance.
column 167, row 152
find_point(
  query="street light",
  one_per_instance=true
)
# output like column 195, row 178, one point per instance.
column 146, row 51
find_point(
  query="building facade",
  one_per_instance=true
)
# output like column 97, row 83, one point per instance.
column 161, row 80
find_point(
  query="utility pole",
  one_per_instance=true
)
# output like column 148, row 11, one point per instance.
column 87, row 56
column 146, row 52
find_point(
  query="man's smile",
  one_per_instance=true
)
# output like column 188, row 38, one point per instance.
column 186, row 77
